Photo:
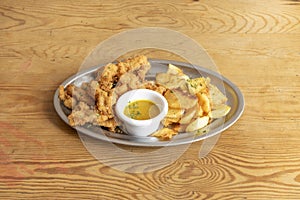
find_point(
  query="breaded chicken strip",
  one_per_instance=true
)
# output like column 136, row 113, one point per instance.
column 71, row 95
column 66, row 96
column 93, row 102
column 113, row 72
column 104, row 104
column 82, row 114
column 133, row 79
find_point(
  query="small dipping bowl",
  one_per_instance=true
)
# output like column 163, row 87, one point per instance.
column 141, row 127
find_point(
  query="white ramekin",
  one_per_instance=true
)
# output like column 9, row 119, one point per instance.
column 141, row 127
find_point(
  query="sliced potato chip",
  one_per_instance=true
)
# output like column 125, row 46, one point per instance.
column 200, row 122
column 180, row 99
column 175, row 113
column 185, row 99
column 173, row 101
column 169, row 121
column 188, row 116
column 172, row 69
column 180, row 127
column 200, row 111
column 217, row 97
column 220, row 111
column 203, row 130
column 171, row 81
column 204, row 102
column 165, row 133
column 197, row 85
column 176, row 71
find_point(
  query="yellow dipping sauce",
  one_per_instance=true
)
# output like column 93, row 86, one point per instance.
column 141, row 110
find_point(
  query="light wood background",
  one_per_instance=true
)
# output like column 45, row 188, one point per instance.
column 256, row 44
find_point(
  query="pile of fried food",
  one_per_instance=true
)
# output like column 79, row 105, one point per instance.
column 193, row 103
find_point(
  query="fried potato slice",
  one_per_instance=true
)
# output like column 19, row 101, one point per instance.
column 186, row 100
column 175, row 114
column 172, row 69
column 173, row 101
column 179, row 127
column 167, row 122
column 200, row 111
column 171, row 81
column 165, row 133
column 220, row 111
column 204, row 102
column 180, row 99
column 203, row 130
column 217, row 97
column 197, row 85
column 198, row 123
column 188, row 116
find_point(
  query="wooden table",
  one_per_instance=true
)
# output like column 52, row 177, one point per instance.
column 256, row 44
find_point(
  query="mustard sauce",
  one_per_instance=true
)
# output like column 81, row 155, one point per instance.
column 141, row 110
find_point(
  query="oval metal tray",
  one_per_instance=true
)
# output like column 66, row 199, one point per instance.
column 232, row 92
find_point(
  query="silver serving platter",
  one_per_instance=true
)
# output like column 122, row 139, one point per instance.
column 234, row 95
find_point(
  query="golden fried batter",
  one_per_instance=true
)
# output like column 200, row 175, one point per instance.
column 111, row 124
column 82, row 114
column 150, row 85
column 132, row 63
column 104, row 104
column 133, row 79
column 93, row 102
column 66, row 97
column 109, row 76
column 71, row 95
column 113, row 72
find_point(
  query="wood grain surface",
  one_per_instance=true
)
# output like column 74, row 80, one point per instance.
column 256, row 44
